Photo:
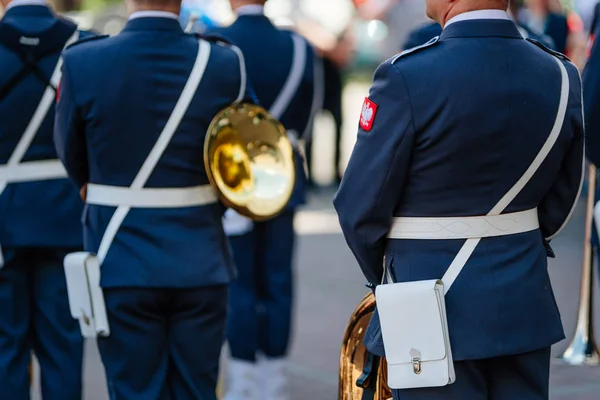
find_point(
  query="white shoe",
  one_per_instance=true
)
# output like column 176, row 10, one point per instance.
column 242, row 381
column 274, row 379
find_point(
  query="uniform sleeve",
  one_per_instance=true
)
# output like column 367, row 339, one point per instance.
column 591, row 101
column 69, row 133
column 557, row 206
column 377, row 170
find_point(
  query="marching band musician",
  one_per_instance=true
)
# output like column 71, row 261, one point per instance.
column 130, row 129
column 40, row 210
column 281, row 67
column 444, row 134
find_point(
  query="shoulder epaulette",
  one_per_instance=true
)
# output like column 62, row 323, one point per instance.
column 215, row 38
column 416, row 49
column 547, row 50
column 88, row 39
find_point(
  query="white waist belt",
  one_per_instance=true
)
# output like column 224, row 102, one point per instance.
column 31, row 171
column 464, row 227
column 116, row 196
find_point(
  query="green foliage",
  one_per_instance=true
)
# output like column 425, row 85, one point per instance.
column 97, row 5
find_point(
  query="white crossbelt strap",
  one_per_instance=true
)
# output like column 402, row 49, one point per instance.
column 469, row 246
column 283, row 100
column 161, row 144
column 10, row 172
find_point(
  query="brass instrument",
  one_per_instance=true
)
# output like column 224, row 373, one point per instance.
column 250, row 161
column 583, row 349
column 359, row 370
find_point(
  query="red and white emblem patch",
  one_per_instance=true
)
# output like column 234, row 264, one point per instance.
column 367, row 116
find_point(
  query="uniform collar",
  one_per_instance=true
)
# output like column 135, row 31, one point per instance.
column 153, row 21
column 484, row 23
column 250, row 9
column 479, row 14
column 152, row 14
column 20, row 3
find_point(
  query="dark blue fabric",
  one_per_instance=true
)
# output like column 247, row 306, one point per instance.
column 421, row 35
column 454, row 147
column 45, row 213
column 105, row 129
column 557, row 28
column 35, row 317
column 260, row 300
column 165, row 344
column 268, row 52
column 591, row 94
column 522, row 377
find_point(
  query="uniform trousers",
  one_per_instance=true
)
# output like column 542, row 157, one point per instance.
column 164, row 344
column 260, row 302
column 518, row 377
column 35, row 317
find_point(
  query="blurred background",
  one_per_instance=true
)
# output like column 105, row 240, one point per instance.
column 353, row 37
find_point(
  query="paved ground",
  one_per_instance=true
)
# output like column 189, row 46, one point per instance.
column 329, row 285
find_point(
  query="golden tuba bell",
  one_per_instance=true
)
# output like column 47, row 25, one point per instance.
column 362, row 375
column 249, row 161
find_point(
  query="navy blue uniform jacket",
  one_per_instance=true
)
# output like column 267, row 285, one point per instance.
column 116, row 97
column 457, row 124
column 269, row 53
column 42, row 213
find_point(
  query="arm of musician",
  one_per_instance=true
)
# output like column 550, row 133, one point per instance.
column 69, row 133
column 377, row 169
column 591, row 101
column 558, row 204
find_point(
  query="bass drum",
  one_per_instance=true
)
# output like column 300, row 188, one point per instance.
column 363, row 376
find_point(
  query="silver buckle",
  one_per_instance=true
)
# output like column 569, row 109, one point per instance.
column 416, row 361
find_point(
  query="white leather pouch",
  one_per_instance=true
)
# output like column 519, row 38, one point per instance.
column 86, row 299
column 412, row 315
column 415, row 334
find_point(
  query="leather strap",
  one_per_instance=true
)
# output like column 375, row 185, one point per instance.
column 31, row 49
column 115, row 196
column 161, row 144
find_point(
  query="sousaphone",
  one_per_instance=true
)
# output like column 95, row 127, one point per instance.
column 363, row 376
column 250, row 161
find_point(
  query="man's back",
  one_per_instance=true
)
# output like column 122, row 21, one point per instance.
column 144, row 70
column 39, row 212
column 465, row 117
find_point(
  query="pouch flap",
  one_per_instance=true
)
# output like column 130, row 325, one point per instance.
column 412, row 320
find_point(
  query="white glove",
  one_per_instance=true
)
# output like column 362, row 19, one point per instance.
column 236, row 224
